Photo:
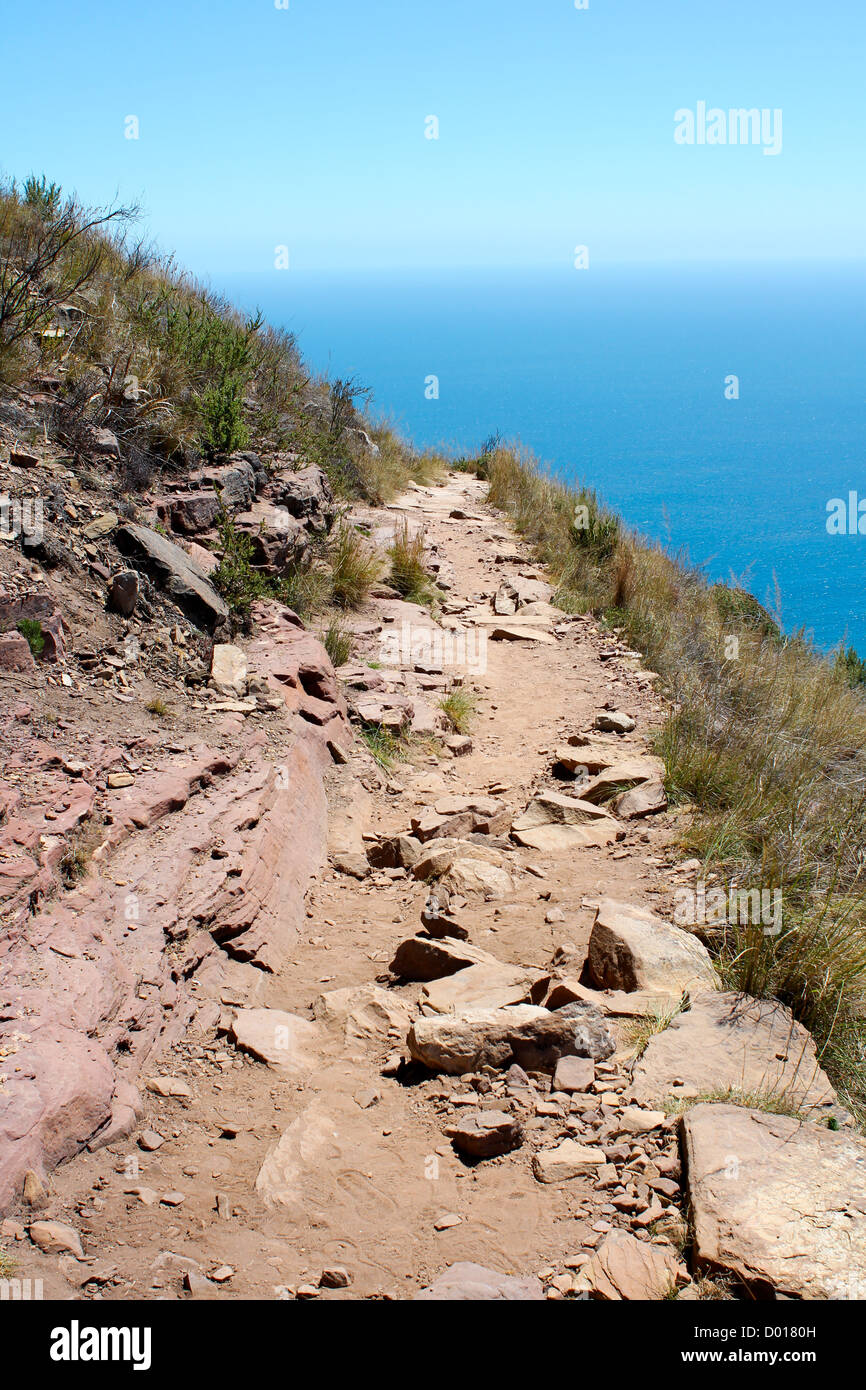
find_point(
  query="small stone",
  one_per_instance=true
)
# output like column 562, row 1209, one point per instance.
column 459, row 745
column 445, row 1223
column 485, row 1134
column 614, row 722
column 574, row 1074
column 334, row 1278
column 633, row 1120
column 169, row 1086
column 123, row 592
column 150, row 1141
column 145, row 1195
column 116, row 780
column 56, row 1238
column 35, row 1193
column 172, row 1199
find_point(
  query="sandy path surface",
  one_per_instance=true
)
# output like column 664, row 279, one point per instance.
column 280, row 1172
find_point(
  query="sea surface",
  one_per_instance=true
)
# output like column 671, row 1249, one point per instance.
column 616, row 377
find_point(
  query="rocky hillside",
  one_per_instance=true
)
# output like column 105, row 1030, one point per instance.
column 345, row 837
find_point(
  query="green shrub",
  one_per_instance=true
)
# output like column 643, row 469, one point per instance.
column 354, row 567
column 385, row 747
column 459, row 708
column 851, row 667
column 31, row 628
column 222, row 418
column 234, row 577
column 738, row 606
column 408, row 573
column 337, row 642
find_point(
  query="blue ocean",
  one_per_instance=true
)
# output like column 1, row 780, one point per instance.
column 621, row 378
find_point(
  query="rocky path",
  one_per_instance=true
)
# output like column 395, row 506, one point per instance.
column 440, row 1071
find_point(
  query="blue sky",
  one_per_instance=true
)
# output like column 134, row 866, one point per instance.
column 305, row 126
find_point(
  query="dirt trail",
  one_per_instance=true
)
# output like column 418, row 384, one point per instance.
column 286, row 1171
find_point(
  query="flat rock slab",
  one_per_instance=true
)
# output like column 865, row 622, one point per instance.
column 466, row 1282
column 589, row 755
column 627, row 1269
column 283, row 1041
column 512, row 633
column 619, row 776
column 439, row 855
column 731, row 1042
column 490, row 985
column 553, row 822
column 645, row 800
column 179, row 575
column 366, row 1012
column 229, row 668
column 573, row 1074
column 631, row 949
column 777, row 1202
column 568, row 1160
column 531, row 1036
column 613, row 1003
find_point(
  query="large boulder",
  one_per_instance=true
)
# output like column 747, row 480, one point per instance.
column 297, row 668
column 15, row 654
column 470, row 876
column 234, row 482
column 366, row 1012
column 524, row 1033
column 176, row 571
column 57, row 1092
column 191, row 513
column 777, row 1202
column 456, row 816
column 631, row 949
column 644, row 800
column 731, row 1042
